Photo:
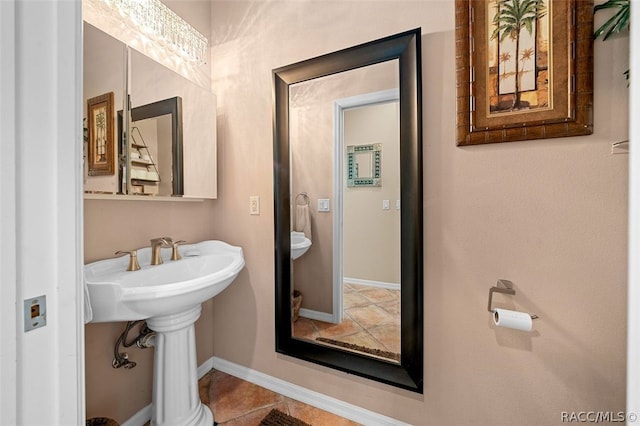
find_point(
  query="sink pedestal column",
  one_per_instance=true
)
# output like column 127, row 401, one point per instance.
column 176, row 400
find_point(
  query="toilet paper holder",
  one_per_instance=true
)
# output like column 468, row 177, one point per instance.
column 506, row 287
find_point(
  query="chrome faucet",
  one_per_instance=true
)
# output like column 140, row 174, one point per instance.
column 156, row 245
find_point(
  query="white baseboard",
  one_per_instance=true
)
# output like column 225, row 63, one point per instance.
column 371, row 283
column 318, row 400
column 205, row 368
column 316, row 315
column 139, row 418
column 144, row 415
column 315, row 399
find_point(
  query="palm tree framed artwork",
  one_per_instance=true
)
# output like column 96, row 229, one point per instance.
column 100, row 135
column 524, row 69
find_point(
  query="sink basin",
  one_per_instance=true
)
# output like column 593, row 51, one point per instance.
column 299, row 244
column 169, row 297
column 205, row 270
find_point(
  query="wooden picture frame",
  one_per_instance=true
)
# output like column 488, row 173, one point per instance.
column 549, row 94
column 100, row 135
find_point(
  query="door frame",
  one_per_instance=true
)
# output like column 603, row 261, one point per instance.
column 41, row 238
column 339, row 107
column 633, row 295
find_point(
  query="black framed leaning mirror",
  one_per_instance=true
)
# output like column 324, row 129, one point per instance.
column 313, row 101
column 155, row 158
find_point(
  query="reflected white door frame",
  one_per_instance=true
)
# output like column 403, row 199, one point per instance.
column 339, row 106
column 633, row 321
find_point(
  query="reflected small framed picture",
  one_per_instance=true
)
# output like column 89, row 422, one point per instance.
column 100, row 135
column 524, row 69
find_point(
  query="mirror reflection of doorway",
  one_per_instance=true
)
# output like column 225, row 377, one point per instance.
column 371, row 233
column 366, row 234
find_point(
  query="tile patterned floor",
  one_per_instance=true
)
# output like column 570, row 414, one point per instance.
column 372, row 320
column 235, row 402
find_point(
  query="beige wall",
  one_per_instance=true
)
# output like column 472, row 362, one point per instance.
column 550, row 215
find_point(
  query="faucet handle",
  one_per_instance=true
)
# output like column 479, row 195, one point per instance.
column 175, row 255
column 133, row 259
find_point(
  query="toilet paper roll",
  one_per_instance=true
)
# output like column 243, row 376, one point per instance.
column 512, row 319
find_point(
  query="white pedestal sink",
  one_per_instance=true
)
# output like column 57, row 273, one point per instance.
column 169, row 297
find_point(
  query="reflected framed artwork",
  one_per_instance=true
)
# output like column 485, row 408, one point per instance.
column 524, row 70
column 100, row 135
column 364, row 165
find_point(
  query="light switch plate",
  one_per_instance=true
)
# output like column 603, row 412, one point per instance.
column 323, row 205
column 254, row 204
column 385, row 204
column 35, row 313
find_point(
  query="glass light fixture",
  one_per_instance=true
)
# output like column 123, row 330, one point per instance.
column 161, row 26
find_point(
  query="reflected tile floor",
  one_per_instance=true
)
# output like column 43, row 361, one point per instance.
column 371, row 319
column 235, row 402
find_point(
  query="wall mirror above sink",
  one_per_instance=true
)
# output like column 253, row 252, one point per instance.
column 352, row 115
column 155, row 157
